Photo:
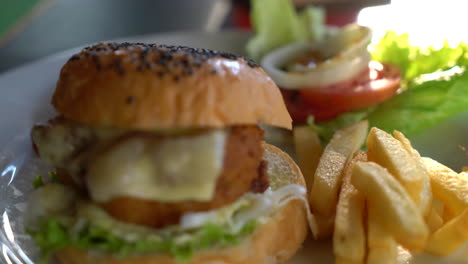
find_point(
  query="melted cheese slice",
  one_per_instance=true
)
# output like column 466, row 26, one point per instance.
column 170, row 170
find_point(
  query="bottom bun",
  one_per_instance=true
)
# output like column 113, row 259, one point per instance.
column 274, row 241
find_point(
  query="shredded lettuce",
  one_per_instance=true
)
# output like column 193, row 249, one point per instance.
column 54, row 178
column 39, row 180
column 435, row 83
column 90, row 227
column 276, row 23
column 52, row 235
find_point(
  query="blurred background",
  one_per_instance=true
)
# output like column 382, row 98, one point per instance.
column 32, row 29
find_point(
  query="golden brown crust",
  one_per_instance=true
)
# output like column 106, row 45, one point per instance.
column 150, row 87
column 273, row 242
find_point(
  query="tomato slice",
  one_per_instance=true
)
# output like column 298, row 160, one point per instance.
column 377, row 83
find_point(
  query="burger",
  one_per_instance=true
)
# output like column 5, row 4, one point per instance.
column 158, row 157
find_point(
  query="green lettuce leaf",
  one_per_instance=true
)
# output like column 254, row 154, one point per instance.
column 414, row 60
column 423, row 105
column 395, row 49
column 313, row 20
column 39, row 180
column 276, row 23
column 52, row 235
column 325, row 130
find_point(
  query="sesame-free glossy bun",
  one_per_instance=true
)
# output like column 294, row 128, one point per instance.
column 145, row 86
column 275, row 241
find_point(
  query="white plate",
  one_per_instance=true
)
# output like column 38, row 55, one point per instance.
column 24, row 100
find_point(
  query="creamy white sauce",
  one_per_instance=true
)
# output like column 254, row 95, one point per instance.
column 173, row 169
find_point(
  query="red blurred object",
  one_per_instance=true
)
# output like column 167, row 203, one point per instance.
column 241, row 15
column 341, row 17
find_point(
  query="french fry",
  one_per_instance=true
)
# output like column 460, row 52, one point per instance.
column 390, row 153
column 450, row 236
column 327, row 178
column 308, row 149
column 382, row 255
column 395, row 209
column 448, row 215
column 325, row 225
column 438, row 206
column 407, row 145
column 425, row 198
column 434, row 220
column 448, row 186
column 346, row 261
column 349, row 238
column 382, row 247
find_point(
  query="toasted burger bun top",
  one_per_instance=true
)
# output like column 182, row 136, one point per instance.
column 275, row 241
column 145, row 86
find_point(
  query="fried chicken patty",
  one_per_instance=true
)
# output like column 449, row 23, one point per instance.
column 243, row 171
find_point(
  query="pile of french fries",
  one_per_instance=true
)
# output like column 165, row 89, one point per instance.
column 370, row 203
